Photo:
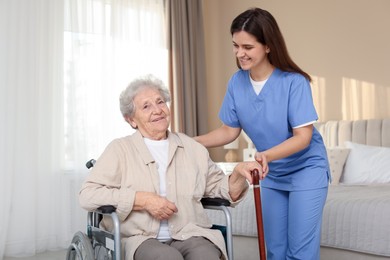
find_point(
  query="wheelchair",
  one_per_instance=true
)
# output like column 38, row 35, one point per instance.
column 100, row 244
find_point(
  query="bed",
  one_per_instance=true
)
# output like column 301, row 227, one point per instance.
column 357, row 211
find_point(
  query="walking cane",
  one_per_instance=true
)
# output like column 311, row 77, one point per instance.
column 259, row 214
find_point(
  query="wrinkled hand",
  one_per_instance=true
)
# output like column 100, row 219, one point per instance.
column 159, row 207
column 245, row 168
column 239, row 177
column 262, row 160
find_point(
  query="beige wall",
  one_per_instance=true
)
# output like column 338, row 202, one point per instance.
column 330, row 39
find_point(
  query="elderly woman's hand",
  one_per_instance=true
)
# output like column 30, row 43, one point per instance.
column 157, row 206
column 245, row 168
column 238, row 179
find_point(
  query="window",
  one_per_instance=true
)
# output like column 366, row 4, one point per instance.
column 106, row 45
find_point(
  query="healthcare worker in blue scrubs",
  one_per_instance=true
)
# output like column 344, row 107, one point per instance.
column 270, row 98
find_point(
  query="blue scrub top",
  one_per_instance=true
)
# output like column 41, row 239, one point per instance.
column 268, row 119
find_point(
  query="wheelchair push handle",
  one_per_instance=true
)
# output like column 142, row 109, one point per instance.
column 90, row 163
column 259, row 214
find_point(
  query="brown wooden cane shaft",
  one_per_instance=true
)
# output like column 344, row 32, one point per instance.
column 259, row 214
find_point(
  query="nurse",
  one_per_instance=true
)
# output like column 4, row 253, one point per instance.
column 269, row 97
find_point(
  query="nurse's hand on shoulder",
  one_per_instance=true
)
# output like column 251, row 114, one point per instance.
column 262, row 160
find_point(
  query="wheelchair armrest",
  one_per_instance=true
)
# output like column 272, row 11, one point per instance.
column 215, row 202
column 94, row 217
column 107, row 209
column 100, row 236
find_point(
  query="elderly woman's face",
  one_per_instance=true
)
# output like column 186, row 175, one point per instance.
column 152, row 115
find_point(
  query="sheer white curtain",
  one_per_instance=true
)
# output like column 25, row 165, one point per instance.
column 63, row 64
column 107, row 43
column 31, row 193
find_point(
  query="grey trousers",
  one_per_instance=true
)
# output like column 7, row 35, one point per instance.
column 194, row 248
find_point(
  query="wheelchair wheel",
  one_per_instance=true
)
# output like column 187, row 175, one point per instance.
column 102, row 253
column 80, row 248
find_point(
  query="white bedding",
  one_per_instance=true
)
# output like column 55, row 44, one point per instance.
column 357, row 218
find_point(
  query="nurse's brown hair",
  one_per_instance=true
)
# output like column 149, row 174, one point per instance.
column 263, row 26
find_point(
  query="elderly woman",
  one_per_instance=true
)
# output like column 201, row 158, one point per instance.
column 156, row 179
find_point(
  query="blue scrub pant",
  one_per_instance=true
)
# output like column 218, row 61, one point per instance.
column 292, row 223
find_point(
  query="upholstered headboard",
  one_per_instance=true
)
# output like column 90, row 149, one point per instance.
column 374, row 132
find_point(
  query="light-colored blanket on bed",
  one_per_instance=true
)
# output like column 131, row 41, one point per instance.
column 358, row 218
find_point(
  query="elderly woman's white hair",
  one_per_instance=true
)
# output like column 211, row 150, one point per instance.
column 126, row 98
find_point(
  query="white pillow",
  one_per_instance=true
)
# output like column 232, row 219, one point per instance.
column 337, row 157
column 366, row 164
